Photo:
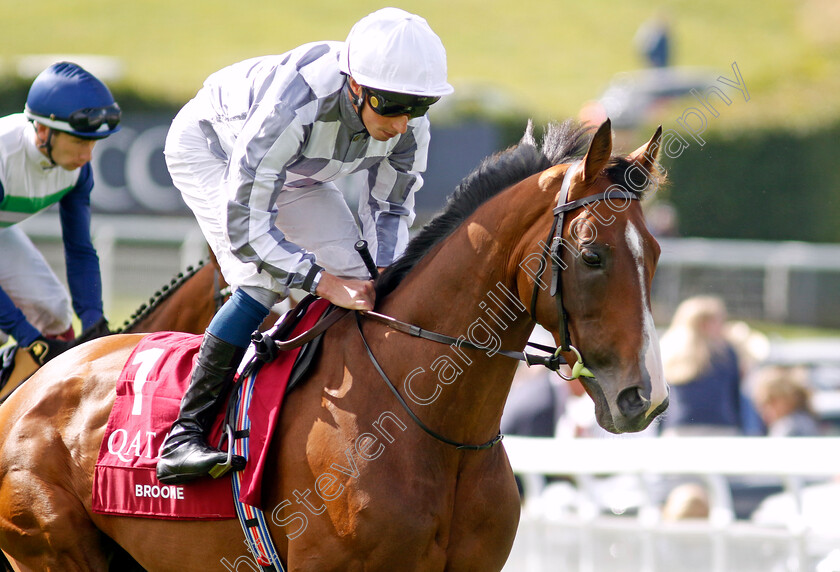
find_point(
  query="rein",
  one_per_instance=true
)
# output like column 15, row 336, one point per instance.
column 405, row 406
column 268, row 345
column 552, row 361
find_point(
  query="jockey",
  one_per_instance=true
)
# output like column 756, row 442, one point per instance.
column 45, row 157
column 255, row 154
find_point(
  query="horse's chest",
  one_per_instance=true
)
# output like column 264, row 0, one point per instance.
column 436, row 506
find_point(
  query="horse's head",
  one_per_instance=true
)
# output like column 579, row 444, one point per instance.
column 604, row 266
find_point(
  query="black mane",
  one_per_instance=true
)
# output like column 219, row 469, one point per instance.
column 562, row 142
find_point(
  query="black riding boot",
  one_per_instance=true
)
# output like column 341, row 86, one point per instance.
column 185, row 454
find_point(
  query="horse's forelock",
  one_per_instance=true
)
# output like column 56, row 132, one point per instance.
column 528, row 136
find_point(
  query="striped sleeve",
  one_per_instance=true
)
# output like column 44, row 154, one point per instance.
column 386, row 208
column 272, row 138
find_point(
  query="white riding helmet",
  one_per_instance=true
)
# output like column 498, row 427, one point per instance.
column 396, row 51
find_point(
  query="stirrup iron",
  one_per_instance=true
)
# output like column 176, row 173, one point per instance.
column 222, row 468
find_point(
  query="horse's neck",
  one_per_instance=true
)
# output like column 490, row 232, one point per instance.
column 466, row 289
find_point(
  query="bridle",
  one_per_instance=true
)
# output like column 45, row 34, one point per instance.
column 268, row 346
column 554, row 242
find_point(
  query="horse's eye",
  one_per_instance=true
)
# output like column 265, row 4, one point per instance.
column 590, row 257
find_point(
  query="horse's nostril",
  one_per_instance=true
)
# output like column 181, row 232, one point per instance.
column 632, row 403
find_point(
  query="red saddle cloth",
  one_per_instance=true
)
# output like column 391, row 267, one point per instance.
column 149, row 392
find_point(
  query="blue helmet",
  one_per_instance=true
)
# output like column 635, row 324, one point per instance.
column 67, row 98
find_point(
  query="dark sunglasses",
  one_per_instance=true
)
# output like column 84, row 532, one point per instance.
column 390, row 104
column 91, row 119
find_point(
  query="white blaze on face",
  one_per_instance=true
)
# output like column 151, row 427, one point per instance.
column 650, row 355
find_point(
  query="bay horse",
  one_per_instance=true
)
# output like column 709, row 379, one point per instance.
column 354, row 482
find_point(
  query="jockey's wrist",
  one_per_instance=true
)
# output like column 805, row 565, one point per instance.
column 24, row 333
column 313, row 278
column 90, row 318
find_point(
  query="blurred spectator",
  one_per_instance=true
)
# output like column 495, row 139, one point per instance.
column 686, row 501
column 535, row 403
column 752, row 346
column 703, row 370
column 578, row 418
column 653, row 40
column 782, row 396
column 661, row 218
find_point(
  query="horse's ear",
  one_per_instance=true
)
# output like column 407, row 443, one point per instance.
column 598, row 153
column 646, row 155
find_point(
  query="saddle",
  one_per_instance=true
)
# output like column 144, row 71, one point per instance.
column 148, row 394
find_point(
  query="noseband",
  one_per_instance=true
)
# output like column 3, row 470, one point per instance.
column 555, row 241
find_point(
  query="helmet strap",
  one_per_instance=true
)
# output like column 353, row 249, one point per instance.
column 46, row 145
column 358, row 102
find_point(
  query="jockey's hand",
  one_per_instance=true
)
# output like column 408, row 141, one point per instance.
column 44, row 349
column 347, row 293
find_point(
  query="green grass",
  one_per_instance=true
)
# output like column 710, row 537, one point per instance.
column 545, row 57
